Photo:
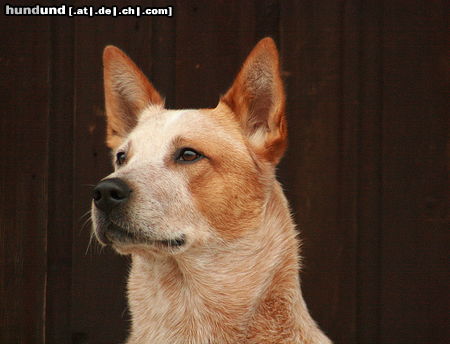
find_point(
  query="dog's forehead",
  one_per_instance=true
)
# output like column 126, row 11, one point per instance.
column 159, row 131
column 163, row 125
column 158, row 128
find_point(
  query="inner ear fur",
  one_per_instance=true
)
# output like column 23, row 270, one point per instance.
column 127, row 93
column 258, row 101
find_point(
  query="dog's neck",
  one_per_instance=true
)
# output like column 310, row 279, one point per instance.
column 219, row 294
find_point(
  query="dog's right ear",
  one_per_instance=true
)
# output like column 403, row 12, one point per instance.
column 127, row 93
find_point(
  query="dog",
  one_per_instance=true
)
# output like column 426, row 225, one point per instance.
column 194, row 200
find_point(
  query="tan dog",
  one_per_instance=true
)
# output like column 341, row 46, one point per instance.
column 195, row 202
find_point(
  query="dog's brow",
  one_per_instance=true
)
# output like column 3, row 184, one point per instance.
column 126, row 147
column 181, row 142
column 178, row 141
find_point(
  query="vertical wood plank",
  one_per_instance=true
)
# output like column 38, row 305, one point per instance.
column 321, row 155
column 163, row 54
column 369, row 177
column 267, row 13
column 60, row 187
column 213, row 39
column 24, row 59
column 415, row 136
column 348, row 172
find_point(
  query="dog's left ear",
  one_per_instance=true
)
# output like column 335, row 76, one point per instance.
column 127, row 93
column 257, row 99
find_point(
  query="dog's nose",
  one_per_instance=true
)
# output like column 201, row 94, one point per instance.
column 110, row 193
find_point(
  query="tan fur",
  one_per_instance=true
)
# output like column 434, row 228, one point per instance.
column 235, row 279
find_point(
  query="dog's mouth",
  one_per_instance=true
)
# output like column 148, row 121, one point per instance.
column 113, row 234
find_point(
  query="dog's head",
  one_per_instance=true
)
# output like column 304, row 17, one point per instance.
column 187, row 177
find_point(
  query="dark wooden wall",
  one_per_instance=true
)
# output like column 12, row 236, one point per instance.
column 366, row 171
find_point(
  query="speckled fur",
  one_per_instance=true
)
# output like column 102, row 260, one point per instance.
column 236, row 278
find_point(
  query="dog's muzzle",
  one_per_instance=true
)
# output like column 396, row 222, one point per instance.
column 108, row 196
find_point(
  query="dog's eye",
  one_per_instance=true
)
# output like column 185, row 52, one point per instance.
column 120, row 158
column 188, row 155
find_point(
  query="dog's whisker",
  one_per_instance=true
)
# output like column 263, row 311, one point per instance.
column 87, row 213
column 91, row 237
column 124, row 312
column 85, row 223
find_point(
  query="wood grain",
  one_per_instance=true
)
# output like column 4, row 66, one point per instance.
column 365, row 172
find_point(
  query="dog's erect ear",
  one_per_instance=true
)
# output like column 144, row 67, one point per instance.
column 127, row 93
column 257, row 99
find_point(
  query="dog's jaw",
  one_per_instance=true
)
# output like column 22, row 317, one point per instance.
column 126, row 241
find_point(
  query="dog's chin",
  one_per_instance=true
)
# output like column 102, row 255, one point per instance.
column 127, row 242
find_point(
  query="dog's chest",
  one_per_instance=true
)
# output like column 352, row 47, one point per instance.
column 164, row 309
column 194, row 300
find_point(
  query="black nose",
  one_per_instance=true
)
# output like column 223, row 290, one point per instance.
column 110, row 193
